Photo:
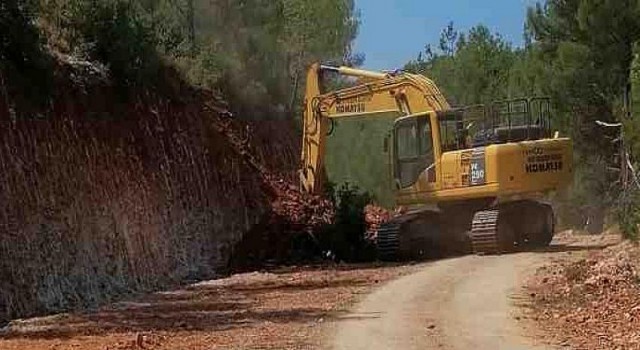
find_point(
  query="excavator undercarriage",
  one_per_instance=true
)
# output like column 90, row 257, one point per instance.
column 462, row 228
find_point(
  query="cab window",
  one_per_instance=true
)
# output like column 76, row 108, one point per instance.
column 453, row 135
column 414, row 149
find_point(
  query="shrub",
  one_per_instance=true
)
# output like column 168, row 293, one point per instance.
column 115, row 33
column 345, row 239
column 628, row 214
column 25, row 68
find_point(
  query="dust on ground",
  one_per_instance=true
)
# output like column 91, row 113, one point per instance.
column 280, row 309
column 590, row 300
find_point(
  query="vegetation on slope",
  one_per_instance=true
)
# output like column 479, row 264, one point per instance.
column 580, row 54
column 114, row 178
column 105, row 148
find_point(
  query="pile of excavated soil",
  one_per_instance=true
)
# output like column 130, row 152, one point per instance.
column 288, row 202
column 282, row 309
column 291, row 212
column 593, row 301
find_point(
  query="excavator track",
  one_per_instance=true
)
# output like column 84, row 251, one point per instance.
column 484, row 232
column 388, row 241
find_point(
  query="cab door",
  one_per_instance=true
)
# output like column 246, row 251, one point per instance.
column 414, row 156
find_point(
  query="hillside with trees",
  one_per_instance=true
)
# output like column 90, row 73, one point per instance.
column 252, row 52
column 579, row 53
column 142, row 140
column 135, row 137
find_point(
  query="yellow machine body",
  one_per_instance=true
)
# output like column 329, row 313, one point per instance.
column 435, row 154
column 513, row 171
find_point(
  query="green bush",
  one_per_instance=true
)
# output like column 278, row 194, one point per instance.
column 345, row 239
column 25, row 68
column 115, row 33
column 628, row 214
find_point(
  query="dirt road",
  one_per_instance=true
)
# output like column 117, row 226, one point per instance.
column 283, row 309
column 459, row 303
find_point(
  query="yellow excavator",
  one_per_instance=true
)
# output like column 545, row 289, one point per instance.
column 469, row 179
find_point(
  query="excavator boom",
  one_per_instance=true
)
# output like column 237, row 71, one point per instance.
column 376, row 92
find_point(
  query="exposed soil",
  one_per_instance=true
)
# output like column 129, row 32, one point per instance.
column 461, row 303
column 590, row 301
column 282, row 309
column 468, row 302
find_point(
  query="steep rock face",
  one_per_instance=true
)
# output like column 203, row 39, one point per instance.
column 100, row 197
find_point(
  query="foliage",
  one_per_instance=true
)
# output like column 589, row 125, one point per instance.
column 254, row 52
column 112, row 32
column 24, row 67
column 587, row 45
column 628, row 209
column 632, row 125
column 470, row 67
column 577, row 52
column 260, row 65
column 628, row 214
column 355, row 154
column 345, row 239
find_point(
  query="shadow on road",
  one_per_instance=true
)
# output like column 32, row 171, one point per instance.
column 173, row 314
column 239, row 304
column 201, row 307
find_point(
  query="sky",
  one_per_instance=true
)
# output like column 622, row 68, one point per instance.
column 392, row 32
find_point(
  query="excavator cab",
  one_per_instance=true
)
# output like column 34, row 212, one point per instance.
column 466, row 128
column 413, row 151
column 455, row 129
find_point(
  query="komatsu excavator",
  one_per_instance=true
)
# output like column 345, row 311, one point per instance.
column 470, row 179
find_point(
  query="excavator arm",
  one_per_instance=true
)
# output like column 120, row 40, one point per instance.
column 374, row 93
